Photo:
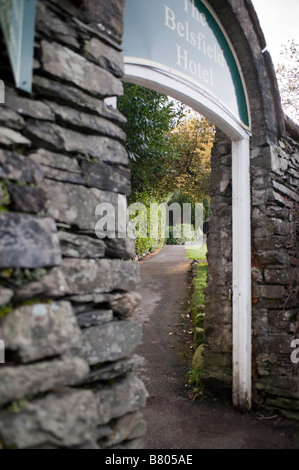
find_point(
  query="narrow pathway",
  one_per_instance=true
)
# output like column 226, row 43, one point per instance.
column 174, row 420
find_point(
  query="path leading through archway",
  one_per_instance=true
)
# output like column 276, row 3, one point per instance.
column 174, row 420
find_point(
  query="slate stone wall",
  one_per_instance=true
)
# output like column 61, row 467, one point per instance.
column 274, row 205
column 217, row 353
column 275, row 270
column 66, row 297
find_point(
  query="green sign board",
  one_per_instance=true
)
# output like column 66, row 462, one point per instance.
column 186, row 39
column 17, row 19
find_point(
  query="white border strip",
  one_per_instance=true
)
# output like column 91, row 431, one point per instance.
column 242, row 299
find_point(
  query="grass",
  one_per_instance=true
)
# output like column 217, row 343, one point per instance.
column 199, row 283
column 197, row 252
column 197, row 305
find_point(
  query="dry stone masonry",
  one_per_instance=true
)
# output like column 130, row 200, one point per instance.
column 274, row 222
column 66, row 297
column 274, row 172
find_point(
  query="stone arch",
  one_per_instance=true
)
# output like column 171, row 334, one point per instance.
column 240, row 19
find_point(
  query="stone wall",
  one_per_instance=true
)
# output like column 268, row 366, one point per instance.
column 217, row 354
column 275, row 271
column 66, row 297
column 274, row 181
column 275, row 202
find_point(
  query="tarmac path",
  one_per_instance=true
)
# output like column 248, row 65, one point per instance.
column 174, row 420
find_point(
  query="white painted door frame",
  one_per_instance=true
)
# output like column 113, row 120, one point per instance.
column 201, row 102
column 242, row 299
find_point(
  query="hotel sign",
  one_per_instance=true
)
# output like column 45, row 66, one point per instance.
column 186, row 39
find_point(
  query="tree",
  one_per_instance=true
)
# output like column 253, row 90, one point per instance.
column 169, row 152
column 288, row 79
column 150, row 117
column 190, row 171
column 168, row 144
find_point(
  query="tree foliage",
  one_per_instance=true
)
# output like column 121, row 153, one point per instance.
column 190, row 171
column 288, row 79
column 169, row 151
column 168, row 145
column 150, row 117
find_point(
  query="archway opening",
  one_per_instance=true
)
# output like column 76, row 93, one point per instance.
column 158, row 67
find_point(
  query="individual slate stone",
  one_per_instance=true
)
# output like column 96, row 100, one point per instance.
column 129, row 427
column 270, row 292
column 100, row 276
column 75, row 97
column 58, row 167
column 107, row 177
column 125, row 396
column 67, row 65
column 51, row 25
column 115, row 369
column 61, row 139
column 21, row 381
column 56, row 161
column 52, row 285
column 105, row 56
column 63, row 176
column 280, row 276
column 90, row 299
column 28, row 107
column 75, row 205
column 65, row 419
column 124, row 305
column 80, row 246
column 106, row 17
column 279, row 386
column 110, row 342
column 121, row 248
column 10, row 138
column 94, row 318
column 5, row 296
column 11, row 119
column 18, row 168
column 27, row 199
column 89, row 122
column 281, row 188
column 42, row 330
column 28, row 242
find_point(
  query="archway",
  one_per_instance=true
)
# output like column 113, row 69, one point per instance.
column 196, row 24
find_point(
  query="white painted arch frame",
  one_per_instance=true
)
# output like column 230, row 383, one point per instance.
column 189, row 94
